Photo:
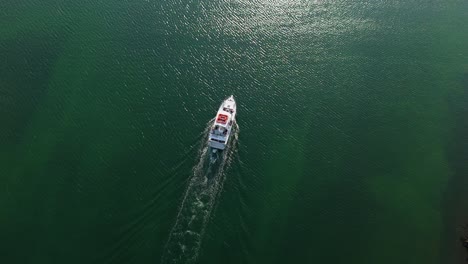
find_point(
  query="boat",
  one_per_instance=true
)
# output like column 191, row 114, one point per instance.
column 221, row 130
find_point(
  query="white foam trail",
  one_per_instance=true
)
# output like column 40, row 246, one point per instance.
column 200, row 197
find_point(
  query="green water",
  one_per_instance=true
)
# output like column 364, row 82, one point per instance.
column 352, row 142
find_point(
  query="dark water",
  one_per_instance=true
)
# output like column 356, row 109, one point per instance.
column 351, row 145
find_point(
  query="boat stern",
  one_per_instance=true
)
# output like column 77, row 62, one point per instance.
column 216, row 144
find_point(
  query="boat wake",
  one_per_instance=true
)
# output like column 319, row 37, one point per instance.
column 200, row 198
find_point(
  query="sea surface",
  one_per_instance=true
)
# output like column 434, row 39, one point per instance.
column 351, row 144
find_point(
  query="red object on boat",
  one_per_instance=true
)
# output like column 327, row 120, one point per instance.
column 222, row 119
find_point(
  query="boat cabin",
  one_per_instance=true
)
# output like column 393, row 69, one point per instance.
column 222, row 124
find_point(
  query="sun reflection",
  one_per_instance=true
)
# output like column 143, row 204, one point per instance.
column 283, row 17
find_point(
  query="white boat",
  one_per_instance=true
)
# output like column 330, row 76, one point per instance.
column 225, row 119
